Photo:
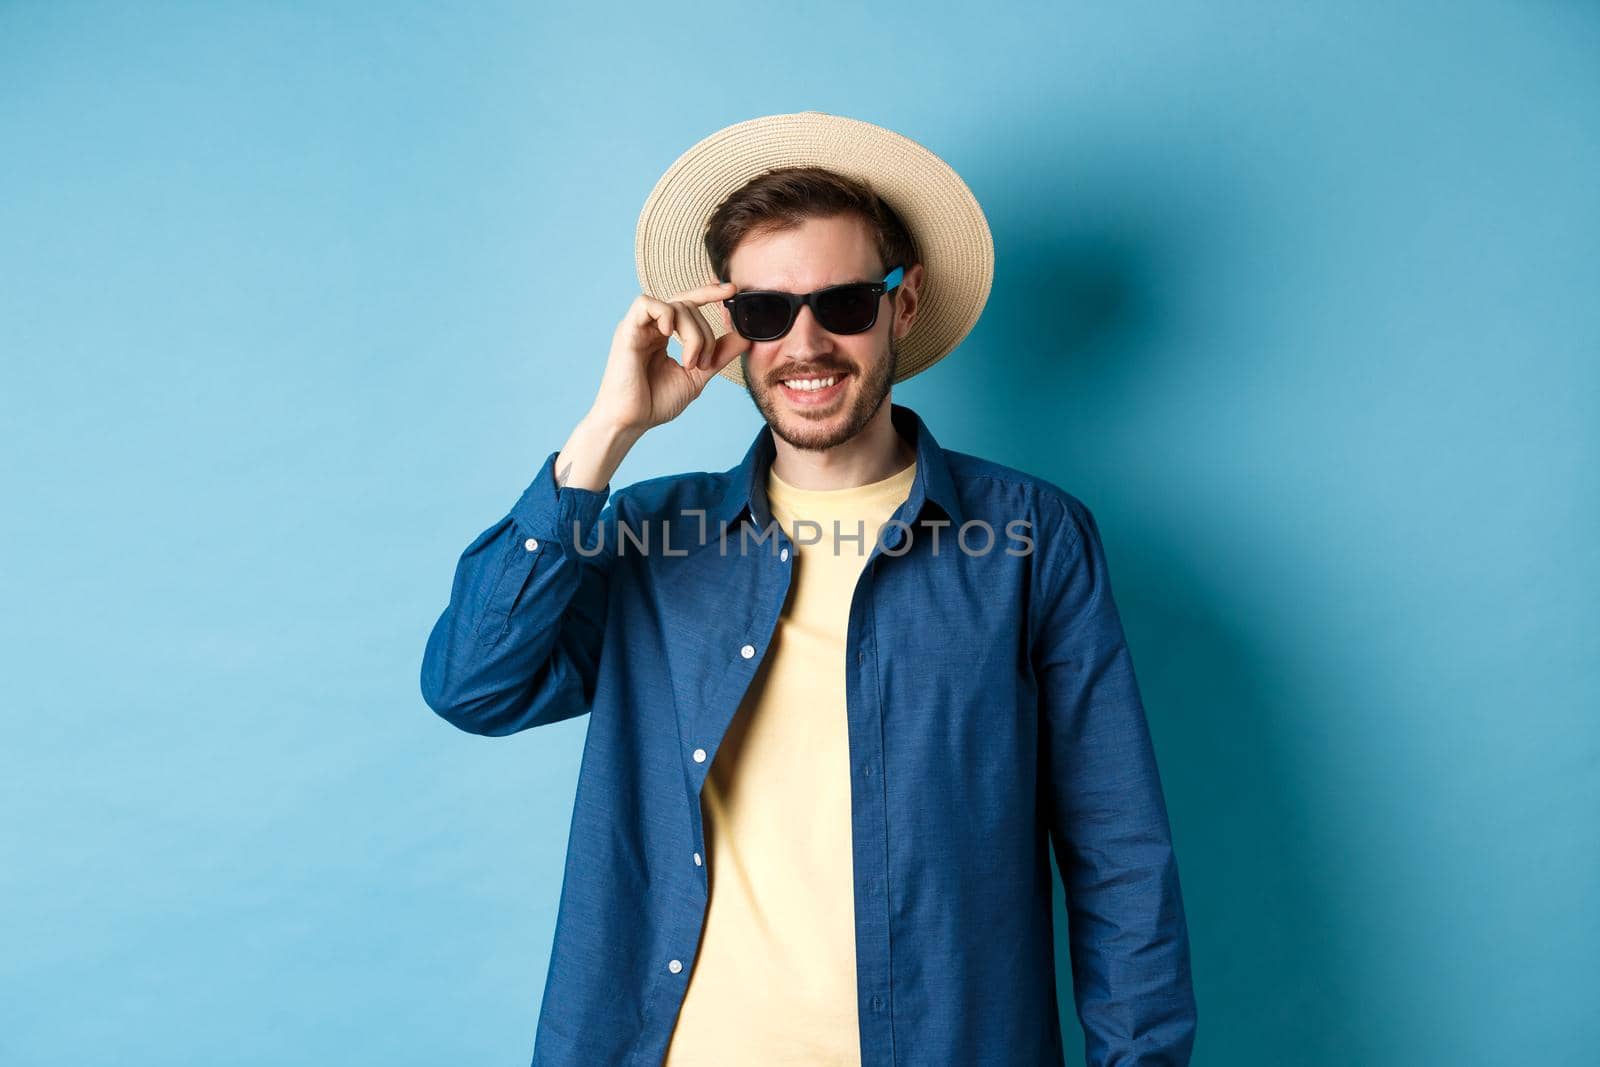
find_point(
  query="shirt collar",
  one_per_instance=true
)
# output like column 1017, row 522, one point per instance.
column 747, row 483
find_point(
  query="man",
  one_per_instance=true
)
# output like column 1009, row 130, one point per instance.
column 842, row 695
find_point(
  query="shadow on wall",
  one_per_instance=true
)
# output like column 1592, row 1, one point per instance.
column 1075, row 325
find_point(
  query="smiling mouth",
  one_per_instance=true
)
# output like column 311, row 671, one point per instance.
column 815, row 389
column 813, row 381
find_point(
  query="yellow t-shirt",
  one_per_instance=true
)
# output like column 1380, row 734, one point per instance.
column 774, row 982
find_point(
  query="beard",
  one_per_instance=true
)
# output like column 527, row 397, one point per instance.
column 864, row 396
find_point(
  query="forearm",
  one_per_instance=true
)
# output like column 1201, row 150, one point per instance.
column 593, row 452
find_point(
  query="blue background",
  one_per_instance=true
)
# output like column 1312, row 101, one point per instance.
column 296, row 298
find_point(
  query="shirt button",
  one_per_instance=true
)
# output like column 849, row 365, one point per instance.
column 697, row 859
column 531, row 544
column 677, row 965
column 877, row 1002
column 747, row 651
column 784, row 555
column 699, row 755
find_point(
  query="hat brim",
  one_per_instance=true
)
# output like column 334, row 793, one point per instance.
column 949, row 228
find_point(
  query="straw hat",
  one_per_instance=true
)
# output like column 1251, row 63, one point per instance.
column 946, row 223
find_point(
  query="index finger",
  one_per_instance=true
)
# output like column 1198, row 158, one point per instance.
column 706, row 294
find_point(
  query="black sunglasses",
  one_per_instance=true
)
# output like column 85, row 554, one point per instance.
column 767, row 314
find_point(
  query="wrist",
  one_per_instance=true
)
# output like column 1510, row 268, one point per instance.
column 612, row 431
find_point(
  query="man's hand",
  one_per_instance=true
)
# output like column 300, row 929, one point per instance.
column 643, row 386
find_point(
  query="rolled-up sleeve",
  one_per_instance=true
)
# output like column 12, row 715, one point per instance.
column 1107, row 815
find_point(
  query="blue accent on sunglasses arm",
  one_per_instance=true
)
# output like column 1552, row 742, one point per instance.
column 892, row 279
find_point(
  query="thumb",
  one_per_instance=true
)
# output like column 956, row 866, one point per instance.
column 728, row 347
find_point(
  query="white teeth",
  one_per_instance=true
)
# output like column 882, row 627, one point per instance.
column 808, row 384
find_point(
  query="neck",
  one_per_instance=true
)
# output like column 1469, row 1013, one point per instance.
column 872, row 455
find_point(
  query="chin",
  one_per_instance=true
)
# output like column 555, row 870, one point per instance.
column 818, row 432
column 831, row 423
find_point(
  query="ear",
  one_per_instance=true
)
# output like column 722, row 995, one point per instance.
column 907, row 300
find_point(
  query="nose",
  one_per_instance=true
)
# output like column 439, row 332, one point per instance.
column 806, row 339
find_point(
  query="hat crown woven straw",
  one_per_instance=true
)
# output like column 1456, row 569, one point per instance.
column 946, row 223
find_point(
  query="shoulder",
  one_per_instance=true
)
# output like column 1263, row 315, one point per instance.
column 996, row 492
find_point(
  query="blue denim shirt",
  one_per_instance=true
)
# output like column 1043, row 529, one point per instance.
column 992, row 710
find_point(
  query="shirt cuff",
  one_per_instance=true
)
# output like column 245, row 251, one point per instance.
column 548, row 511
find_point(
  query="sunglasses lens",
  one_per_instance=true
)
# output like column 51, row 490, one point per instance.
column 847, row 309
column 760, row 317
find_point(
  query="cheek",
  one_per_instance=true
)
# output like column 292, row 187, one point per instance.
column 761, row 356
column 861, row 349
column 870, row 349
